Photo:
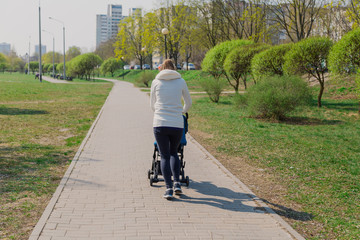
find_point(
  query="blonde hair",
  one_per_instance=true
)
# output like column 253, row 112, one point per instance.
column 167, row 64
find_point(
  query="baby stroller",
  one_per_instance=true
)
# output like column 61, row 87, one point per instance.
column 155, row 170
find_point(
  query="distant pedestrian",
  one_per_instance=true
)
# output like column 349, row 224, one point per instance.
column 167, row 90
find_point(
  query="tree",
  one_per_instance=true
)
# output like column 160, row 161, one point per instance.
column 111, row 65
column 296, row 17
column 309, row 56
column 106, row 49
column 34, row 66
column 48, row 57
column 72, row 52
column 237, row 64
column 269, row 62
column 83, row 65
column 208, row 23
column 344, row 57
column 332, row 21
column 353, row 12
column 213, row 62
column 3, row 62
column 14, row 62
column 177, row 18
column 129, row 42
column 151, row 35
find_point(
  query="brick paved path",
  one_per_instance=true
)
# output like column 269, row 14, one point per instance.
column 105, row 194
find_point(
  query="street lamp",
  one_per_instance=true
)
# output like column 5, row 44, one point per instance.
column 56, row 20
column 53, row 51
column 29, row 58
column 40, row 63
column 142, row 56
column 165, row 32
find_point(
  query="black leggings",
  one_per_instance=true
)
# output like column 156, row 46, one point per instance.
column 168, row 140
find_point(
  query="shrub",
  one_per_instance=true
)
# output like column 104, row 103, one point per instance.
column 238, row 63
column 277, row 96
column 213, row 62
column 145, row 78
column 269, row 62
column 344, row 56
column 309, row 56
column 111, row 65
column 213, row 87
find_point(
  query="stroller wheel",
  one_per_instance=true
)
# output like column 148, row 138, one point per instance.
column 187, row 181
column 149, row 174
column 151, row 181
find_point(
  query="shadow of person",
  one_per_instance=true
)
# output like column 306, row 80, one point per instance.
column 225, row 198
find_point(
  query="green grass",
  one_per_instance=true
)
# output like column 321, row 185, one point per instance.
column 41, row 127
column 315, row 155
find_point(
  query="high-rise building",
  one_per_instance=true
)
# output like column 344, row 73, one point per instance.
column 107, row 25
column 134, row 11
column 5, row 48
column 43, row 49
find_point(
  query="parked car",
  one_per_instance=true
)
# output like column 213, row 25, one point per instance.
column 190, row 66
column 146, row 66
column 178, row 66
column 137, row 67
column 131, row 67
column 127, row 67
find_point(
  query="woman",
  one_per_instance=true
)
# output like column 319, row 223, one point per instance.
column 167, row 89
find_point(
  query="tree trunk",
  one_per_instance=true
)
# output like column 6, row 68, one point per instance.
column 320, row 93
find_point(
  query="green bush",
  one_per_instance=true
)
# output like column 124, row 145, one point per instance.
column 309, row 56
column 145, row 78
column 213, row 62
column 344, row 56
column 269, row 62
column 238, row 63
column 213, row 87
column 276, row 96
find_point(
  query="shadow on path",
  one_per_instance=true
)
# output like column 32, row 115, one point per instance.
column 227, row 199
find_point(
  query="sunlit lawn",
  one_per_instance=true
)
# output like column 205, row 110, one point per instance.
column 315, row 156
column 41, row 127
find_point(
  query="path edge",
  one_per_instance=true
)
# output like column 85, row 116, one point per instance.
column 35, row 234
column 273, row 214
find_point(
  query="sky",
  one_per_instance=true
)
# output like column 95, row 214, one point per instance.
column 19, row 22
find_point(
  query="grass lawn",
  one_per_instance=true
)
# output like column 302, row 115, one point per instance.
column 306, row 168
column 41, row 127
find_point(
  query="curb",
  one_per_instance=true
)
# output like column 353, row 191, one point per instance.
column 49, row 208
column 257, row 200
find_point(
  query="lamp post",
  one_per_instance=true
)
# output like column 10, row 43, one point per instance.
column 53, row 51
column 142, row 57
column 40, row 64
column 29, row 58
column 165, row 32
column 56, row 20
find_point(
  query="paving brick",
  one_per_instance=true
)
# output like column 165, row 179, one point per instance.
column 108, row 196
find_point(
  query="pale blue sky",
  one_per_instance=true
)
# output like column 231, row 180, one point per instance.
column 19, row 20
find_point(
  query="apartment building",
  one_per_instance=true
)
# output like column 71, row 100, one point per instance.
column 107, row 24
column 5, row 48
